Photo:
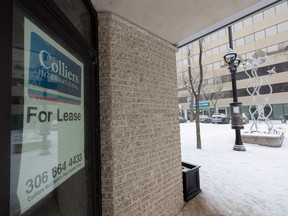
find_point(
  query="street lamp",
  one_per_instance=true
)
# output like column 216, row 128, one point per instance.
column 236, row 107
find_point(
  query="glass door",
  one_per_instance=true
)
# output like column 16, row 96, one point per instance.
column 52, row 149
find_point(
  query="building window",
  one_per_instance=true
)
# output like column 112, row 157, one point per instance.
column 207, row 39
column 222, row 33
column 185, row 62
column 179, row 63
column 283, row 46
column 282, row 27
column 259, row 35
column 215, row 51
column 223, row 48
column 208, row 53
column 209, row 67
column 248, row 22
column 239, row 42
column 238, row 26
column 281, row 7
column 78, row 14
column 269, row 12
column 258, row 17
column 183, row 49
column 271, row 31
column 273, row 48
column 214, row 36
column 249, row 39
column 216, row 65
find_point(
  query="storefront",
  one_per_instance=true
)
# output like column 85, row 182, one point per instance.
column 50, row 158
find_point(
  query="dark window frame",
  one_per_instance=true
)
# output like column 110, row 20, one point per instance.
column 40, row 9
column 5, row 111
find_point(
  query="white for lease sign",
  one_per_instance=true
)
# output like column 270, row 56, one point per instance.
column 53, row 121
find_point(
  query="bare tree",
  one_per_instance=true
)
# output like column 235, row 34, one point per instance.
column 212, row 90
column 190, row 99
column 193, row 85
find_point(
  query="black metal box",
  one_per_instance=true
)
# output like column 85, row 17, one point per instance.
column 191, row 180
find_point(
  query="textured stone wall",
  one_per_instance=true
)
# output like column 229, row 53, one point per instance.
column 141, row 159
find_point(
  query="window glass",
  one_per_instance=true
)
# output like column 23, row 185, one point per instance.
column 215, row 51
column 209, row 67
column 239, row 42
column 271, row 31
column 238, row 26
column 258, row 17
column 214, row 36
column 195, row 44
column 223, row 48
column 273, row 48
column 51, row 161
column 183, row 49
column 207, row 38
column 216, row 65
column 179, row 63
column 281, row 7
column 282, row 27
column 208, row 53
column 78, row 15
column 259, row 35
column 222, row 33
column 269, row 12
column 248, row 21
column 185, row 62
column 249, row 39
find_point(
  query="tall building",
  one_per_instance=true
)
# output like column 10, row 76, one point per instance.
column 264, row 31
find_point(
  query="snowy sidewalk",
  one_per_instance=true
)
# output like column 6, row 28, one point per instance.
column 254, row 182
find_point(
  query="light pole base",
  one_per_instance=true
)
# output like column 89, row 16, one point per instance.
column 239, row 148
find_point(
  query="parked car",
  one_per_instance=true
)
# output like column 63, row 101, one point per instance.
column 220, row 118
column 182, row 120
column 205, row 119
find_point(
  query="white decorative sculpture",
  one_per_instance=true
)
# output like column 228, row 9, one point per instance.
column 259, row 102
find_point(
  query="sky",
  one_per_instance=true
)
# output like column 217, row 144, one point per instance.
column 255, row 180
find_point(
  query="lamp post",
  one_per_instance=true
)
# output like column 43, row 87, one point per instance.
column 236, row 107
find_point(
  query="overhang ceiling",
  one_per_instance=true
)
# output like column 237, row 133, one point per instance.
column 180, row 21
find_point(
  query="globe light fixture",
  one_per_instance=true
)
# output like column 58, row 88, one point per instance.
column 230, row 56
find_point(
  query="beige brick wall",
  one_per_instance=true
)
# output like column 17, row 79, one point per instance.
column 140, row 139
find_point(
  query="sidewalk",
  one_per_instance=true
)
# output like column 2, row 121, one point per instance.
column 234, row 183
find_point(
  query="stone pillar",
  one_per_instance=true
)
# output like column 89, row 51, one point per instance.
column 140, row 135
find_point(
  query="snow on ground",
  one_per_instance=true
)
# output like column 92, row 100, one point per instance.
column 256, row 180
